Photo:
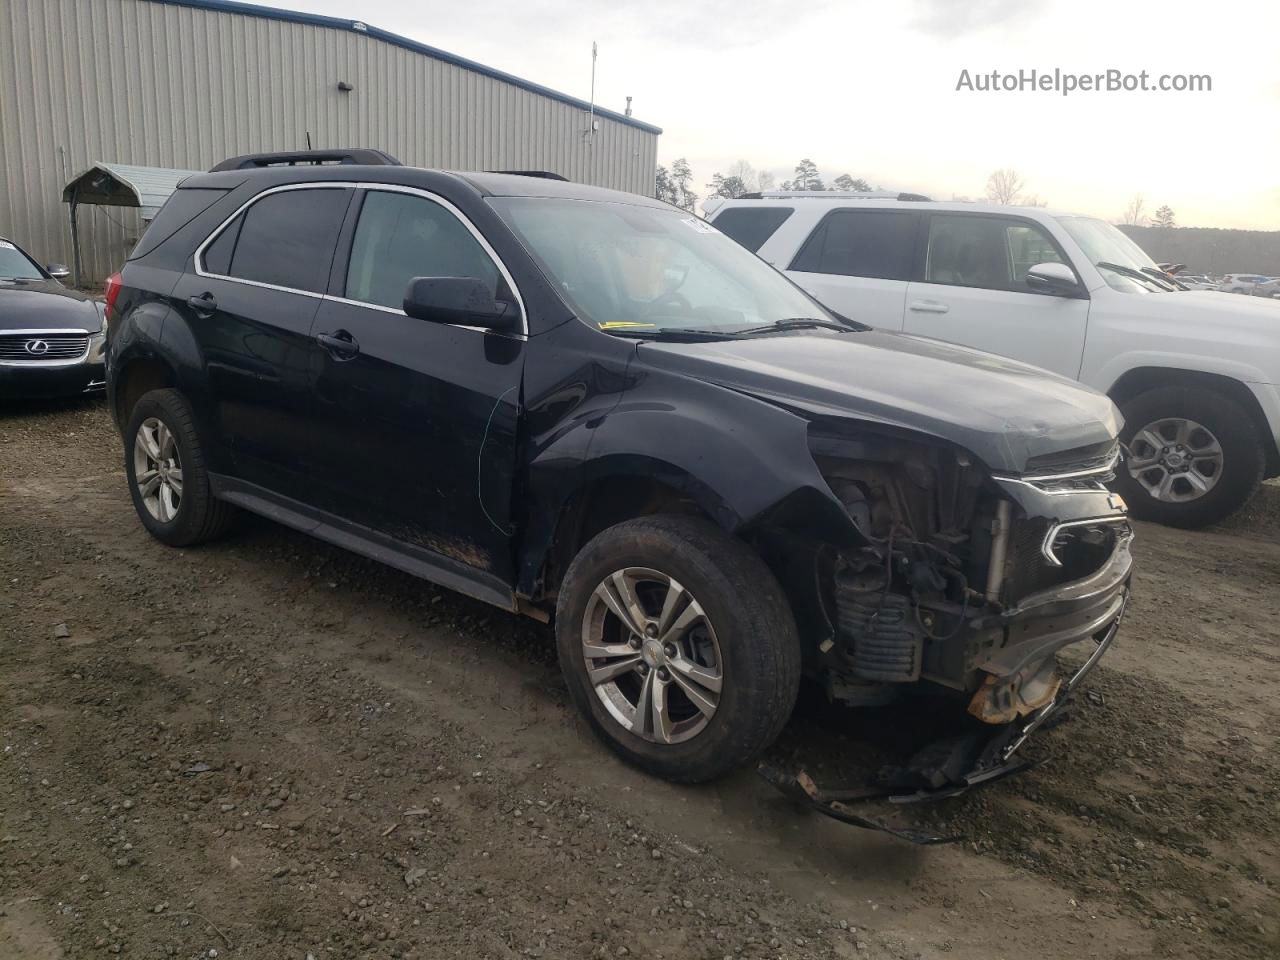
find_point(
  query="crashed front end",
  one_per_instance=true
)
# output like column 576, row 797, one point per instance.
column 968, row 584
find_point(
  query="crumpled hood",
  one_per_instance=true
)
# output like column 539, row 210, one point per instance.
column 46, row 305
column 1001, row 411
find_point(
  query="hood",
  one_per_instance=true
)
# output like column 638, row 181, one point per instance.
column 1003, row 412
column 46, row 305
column 1253, row 312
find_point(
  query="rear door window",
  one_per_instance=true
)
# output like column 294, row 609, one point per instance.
column 286, row 239
column 878, row 244
column 752, row 226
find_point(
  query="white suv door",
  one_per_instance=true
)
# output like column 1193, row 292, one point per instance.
column 974, row 292
column 858, row 262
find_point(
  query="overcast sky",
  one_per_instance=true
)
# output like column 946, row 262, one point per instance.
column 869, row 88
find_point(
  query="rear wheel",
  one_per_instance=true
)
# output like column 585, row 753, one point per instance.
column 678, row 645
column 165, row 467
column 1194, row 456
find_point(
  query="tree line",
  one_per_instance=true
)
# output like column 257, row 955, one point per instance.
column 675, row 184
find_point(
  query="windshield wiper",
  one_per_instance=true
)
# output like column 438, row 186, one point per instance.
column 1135, row 274
column 687, row 334
column 799, row 323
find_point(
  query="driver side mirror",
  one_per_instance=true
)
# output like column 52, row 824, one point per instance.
column 1056, row 279
column 465, row 301
column 57, row 271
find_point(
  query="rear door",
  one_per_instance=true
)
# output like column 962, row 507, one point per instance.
column 858, row 263
column 250, row 302
column 974, row 292
column 415, row 431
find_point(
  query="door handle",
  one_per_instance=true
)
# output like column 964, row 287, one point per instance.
column 928, row 306
column 203, row 305
column 341, row 344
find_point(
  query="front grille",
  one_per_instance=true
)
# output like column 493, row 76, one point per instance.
column 42, row 348
column 1082, row 551
column 1096, row 459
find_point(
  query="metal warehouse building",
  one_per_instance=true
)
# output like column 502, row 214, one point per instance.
column 185, row 83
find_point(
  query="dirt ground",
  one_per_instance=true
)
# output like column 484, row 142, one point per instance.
column 270, row 748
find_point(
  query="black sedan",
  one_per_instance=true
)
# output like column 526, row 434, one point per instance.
column 51, row 337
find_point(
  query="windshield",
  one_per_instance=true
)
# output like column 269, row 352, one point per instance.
column 14, row 264
column 1107, row 247
column 632, row 269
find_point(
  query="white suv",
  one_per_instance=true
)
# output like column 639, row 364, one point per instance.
column 1195, row 373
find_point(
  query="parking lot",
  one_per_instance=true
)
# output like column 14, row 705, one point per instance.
column 271, row 748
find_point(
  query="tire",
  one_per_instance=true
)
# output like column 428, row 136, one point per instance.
column 190, row 514
column 748, row 627
column 1241, row 463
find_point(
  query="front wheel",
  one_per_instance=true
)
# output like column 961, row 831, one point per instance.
column 678, row 645
column 1194, row 456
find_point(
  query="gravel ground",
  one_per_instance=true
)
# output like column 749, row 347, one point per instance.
column 269, row 748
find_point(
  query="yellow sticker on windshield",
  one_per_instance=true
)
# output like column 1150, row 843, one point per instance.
column 616, row 324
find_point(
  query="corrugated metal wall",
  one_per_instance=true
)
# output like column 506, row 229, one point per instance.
column 132, row 81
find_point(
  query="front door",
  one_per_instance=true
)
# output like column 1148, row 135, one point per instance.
column 251, row 301
column 416, row 421
column 974, row 292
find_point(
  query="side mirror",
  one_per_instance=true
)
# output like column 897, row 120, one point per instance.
column 1053, row 278
column 57, row 271
column 465, row 301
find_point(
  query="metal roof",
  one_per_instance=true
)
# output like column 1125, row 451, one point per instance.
column 124, row 185
column 359, row 26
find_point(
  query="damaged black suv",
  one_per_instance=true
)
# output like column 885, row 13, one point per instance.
column 592, row 408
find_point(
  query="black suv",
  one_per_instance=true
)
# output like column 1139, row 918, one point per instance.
column 593, row 408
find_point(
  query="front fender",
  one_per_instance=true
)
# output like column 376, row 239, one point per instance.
column 745, row 463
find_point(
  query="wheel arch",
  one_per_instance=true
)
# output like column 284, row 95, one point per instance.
column 1141, row 379
column 138, row 376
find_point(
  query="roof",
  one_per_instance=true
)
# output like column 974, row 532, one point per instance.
column 485, row 184
column 359, row 26
column 124, row 185
column 835, row 199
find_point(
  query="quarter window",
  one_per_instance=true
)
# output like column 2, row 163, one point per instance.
column 286, row 239
column 401, row 236
column 879, row 244
column 993, row 253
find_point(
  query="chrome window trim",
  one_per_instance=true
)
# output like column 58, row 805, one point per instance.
column 63, row 332
column 198, row 258
column 1046, row 548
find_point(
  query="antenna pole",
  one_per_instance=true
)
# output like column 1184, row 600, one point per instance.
column 591, row 120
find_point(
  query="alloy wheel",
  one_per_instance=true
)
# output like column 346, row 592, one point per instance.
column 652, row 656
column 1175, row 459
column 157, row 469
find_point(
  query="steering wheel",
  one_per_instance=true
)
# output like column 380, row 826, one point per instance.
column 672, row 299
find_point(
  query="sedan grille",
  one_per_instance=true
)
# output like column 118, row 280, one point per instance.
column 42, row 348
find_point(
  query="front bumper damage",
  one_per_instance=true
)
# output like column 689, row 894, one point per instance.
column 956, row 765
column 1021, row 693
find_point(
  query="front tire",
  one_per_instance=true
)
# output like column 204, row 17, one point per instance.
column 166, row 471
column 678, row 645
column 1195, row 456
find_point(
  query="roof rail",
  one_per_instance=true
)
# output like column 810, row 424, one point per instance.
column 541, row 174
column 834, row 195
column 307, row 158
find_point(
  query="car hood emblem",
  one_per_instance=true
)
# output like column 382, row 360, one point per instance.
column 36, row 348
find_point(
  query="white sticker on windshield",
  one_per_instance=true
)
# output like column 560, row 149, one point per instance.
column 700, row 225
column 6, row 245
